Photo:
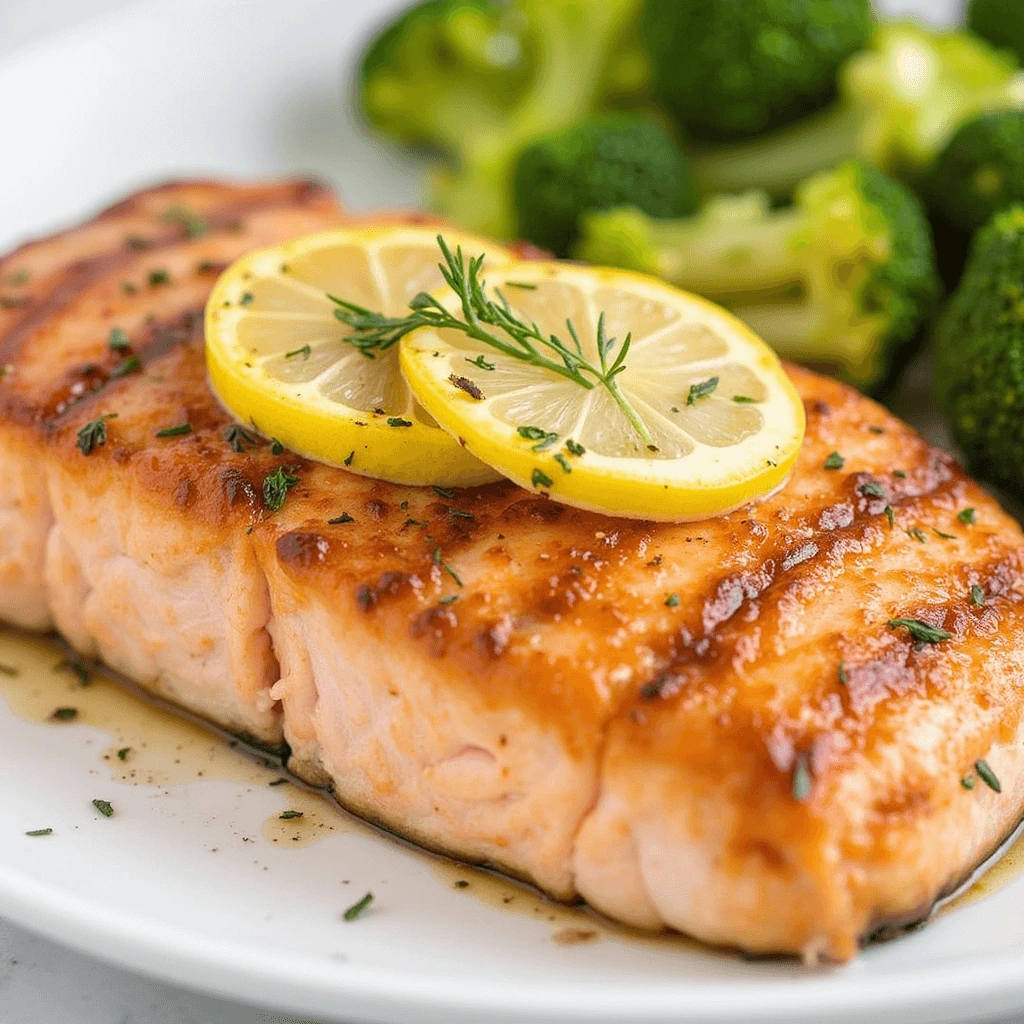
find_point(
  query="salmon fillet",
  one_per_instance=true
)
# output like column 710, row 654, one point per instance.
column 712, row 727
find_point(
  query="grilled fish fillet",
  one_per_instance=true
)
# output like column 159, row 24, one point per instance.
column 713, row 727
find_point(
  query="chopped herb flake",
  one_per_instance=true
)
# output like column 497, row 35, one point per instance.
column 465, row 384
column 575, row 448
column 967, row 782
column 118, row 339
column 921, row 632
column 917, row 533
column 944, row 536
column 985, row 773
column 450, row 599
column 278, row 782
column 239, row 437
column 977, row 595
column 348, row 458
column 672, row 601
column 94, row 434
column 480, row 363
column 130, row 365
column 443, row 492
column 179, row 431
column 246, row 299
column 844, row 676
column 65, row 714
column 40, row 832
column 544, row 438
column 304, row 352
column 76, row 666
column 872, row 490
column 122, row 754
column 357, row 908
column 540, row 479
column 158, row 277
column 890, row 515
column 835, row 461
column 701, row 390
column 966, row 516
column 744, row 399
column 104, row 807
column 801, row 778
column 276, row 486
column 460, row 513
column 190, row 223
column 276, row 448
column 397, row 421
column 563, row 462
column 338, row 520
column 525, row 285
column 289, row 815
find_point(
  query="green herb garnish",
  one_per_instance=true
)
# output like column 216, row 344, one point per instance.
column 276, row 486
column 305, row 352
column 701, row 390
column 348, row 458
column 239, row 437
column 289, row 815
column 921, row 632
column 540, row 479
column 130, row 365
column 563, row 462
column 966, row 516
column 104, row 807
column 179, row 431
column 518, row 339
column 574, row 447
column 872, row 490
column 397, row 421
column 944, row 536
column 967, row 782
column 40, row 832
column 672, row 601
column 357, row 908
column 917, row 533
column 118, row 339
column 744, row 399
column 977, row 595
column 544, row 438
column 835, row 461
column 94, row 434
column 158, row 277
column 443, row 492
column 65, row 714
column 801, row 778
column 338, row 520
column 987, row 776
column 190, row 223
column 844, row 677
column 122, row 754
column 480, row 363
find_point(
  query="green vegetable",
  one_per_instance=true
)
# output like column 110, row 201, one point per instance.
column 900, row 101
column 728, row 70
column 1001, row 22
column 843, row 278
column 980, row 171
column 475, row 81
column 979, row 355
column 596, row 164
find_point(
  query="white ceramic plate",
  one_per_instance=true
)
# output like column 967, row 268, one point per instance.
column 181, row 882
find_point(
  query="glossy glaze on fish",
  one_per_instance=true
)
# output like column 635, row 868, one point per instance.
column 709, row 726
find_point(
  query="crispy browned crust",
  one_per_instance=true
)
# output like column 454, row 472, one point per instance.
column 562, row 614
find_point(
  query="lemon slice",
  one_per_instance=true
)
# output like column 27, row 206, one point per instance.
column 277, row 357
column 724, row 420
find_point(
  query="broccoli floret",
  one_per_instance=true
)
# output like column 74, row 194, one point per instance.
column 979, row 353
column 900, row 101
column 728, row 69
column 599, row 163
column 476, row 80
column 1001, row 22
column 980, row 171
column 841, row 279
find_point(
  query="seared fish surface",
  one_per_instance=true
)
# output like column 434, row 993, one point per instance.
column 759, row 730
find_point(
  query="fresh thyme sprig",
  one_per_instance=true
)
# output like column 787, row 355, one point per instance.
column 520, row 339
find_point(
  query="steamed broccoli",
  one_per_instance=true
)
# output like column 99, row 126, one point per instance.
column 1001, row 22
column 605, row 161
column 732, row 68
column 842, row 279
column 901, row 100
column 980, row 171
column 979, row 353
column 477, row 80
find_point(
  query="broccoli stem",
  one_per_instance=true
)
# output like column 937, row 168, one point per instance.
column 733, row 260
column 777, row 162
